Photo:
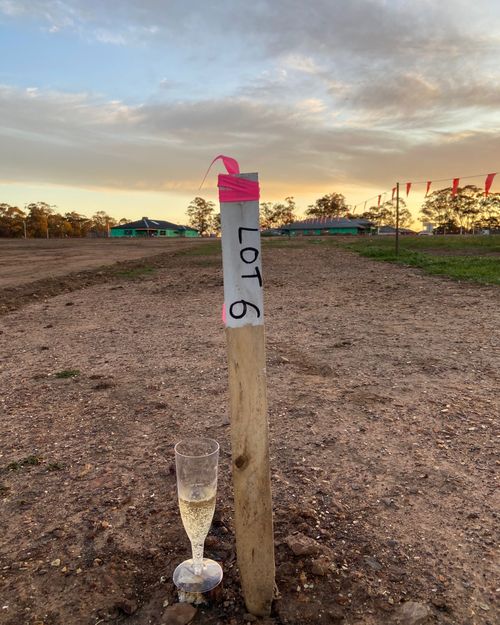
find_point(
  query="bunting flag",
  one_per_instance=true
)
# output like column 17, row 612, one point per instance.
column 488, row 182
column 454, row 187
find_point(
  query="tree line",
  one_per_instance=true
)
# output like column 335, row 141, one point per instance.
column 202, row 216
column 40, row 220
column 468, row 211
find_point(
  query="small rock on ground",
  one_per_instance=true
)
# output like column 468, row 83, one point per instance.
column 320, row 567
column 412, row 613
column 302, row 545
column 179, row 614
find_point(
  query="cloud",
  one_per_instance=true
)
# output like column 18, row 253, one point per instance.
column 75, row 139
column 316, row 94
column 379, row 30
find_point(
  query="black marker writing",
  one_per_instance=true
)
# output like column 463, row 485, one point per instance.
column 240, row 230
column 252, row 251
column 254, row 275
column 244, row 305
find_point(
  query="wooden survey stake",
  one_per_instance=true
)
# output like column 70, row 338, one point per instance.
column 244, row 319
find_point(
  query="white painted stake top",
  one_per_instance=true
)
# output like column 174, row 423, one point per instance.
column 241, row 260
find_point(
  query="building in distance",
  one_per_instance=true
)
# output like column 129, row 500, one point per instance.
column 329, row 226
column 147, row 227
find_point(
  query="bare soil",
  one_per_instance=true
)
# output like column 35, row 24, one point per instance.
column 23, row 261
column 383, row 392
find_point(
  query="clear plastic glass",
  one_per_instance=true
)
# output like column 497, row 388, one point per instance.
column 196, row 462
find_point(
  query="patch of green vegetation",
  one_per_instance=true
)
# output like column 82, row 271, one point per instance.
column 135, row 272
column 208, row 248
column 205, row 262
column 449, row 243
column 289, row 242
column 54, row 466
column 67, row 373
column 28, row 461
column 474, row 258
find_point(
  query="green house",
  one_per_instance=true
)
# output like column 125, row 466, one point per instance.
column 317, row 227
column 147, row 227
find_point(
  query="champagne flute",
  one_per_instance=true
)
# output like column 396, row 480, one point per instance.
column 196, row 467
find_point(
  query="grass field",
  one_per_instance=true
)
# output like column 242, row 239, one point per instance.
column 474, row 258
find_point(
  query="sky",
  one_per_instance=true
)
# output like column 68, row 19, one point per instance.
column 121, row 105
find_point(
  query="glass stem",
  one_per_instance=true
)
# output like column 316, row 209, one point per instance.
column 197, row 550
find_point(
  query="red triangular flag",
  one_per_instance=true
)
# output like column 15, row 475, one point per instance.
column 379, row 200
column 393, row 192
column 408, row 187
column 488, row 182
column 429, row 182
column 454, row 188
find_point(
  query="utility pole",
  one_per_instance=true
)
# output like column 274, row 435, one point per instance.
column 397, row 218
column 24, row 226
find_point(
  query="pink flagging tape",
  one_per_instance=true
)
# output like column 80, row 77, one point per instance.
column 224, row 313
column 231, row 165
column 232, row 189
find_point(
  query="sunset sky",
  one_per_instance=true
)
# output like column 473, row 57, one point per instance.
column 120, row 105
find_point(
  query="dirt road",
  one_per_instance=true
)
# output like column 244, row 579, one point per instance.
column 383, row 393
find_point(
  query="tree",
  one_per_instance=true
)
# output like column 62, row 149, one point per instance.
column 37, row 220
column 464, row 212
column 215, row 225
column 385, row 215
column 465, row 206
column 330, row 206
column 277, row 215
column 489, row 212
column 436, row 209
column 11, row 221
column 199, row 213
column 266, row 215
column 101, row 223
column 58, row 226
column 285, row 213
column 77, row 225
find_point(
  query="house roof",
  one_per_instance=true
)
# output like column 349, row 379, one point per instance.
column 152, row 224
column 392, row 230
column 320, row 224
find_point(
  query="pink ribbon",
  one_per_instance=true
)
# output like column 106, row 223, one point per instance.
column 232, row 188
column 231, row 165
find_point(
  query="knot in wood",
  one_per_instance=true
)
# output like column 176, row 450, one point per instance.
column 241, row 461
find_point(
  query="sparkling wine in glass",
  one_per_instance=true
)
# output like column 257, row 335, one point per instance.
column 196, row 462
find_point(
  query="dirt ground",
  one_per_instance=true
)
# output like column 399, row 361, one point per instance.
column 383, row 393
column 23, row 262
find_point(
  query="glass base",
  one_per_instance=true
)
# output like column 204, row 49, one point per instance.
column 186, row 579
